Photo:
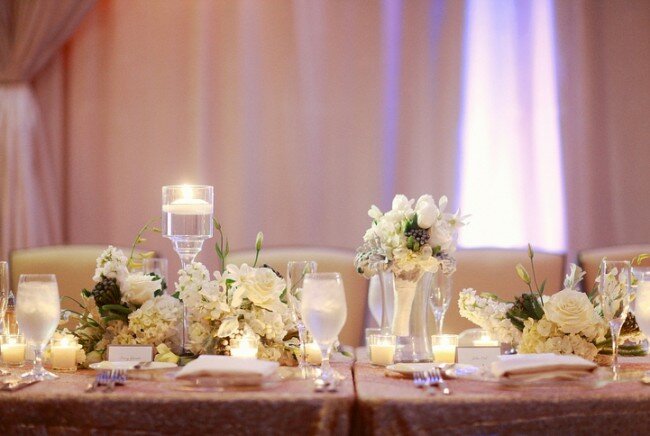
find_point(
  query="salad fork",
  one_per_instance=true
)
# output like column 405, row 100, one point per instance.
column 419, row 379
column 439, row 381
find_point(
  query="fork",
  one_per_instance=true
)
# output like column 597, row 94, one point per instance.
column 116, row 377
column 100, row 380
column 439, row 381
column 419, row 379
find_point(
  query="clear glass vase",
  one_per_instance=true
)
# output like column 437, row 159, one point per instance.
column 410, row 316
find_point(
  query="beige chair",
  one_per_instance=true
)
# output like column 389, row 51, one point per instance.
column 493, row 270
column 589, row 260
column 74, row 266
column 328, row 259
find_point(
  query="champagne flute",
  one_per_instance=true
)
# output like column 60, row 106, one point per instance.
column 296, row 271
column 324, row 312
column 614, row 289
column 4, row 293
column 38, row 311
column 439, row 297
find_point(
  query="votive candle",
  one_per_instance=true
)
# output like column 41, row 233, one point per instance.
column 313, row 355
column 485, row 341
column 245, row 348
column 13, row 350
column 444, row 348
column 382, row 349
column 63, row 355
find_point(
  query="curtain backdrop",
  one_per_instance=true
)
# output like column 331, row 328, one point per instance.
column 302, row 114
column 31, row 169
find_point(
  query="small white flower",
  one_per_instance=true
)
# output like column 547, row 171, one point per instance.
column 427, row 211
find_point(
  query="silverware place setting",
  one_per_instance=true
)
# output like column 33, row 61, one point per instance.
column 431, row 380
column 108, row 380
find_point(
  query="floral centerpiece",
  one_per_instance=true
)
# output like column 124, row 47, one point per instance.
column 567, row 322
column 128, row 307
column 409, row 240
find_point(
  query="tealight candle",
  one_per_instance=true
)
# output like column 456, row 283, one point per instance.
column 13, row 350
column 63, row 355
column 313, row 354
column 444, row 348
column 245, row 348
column 188, row 205
column 382, row 349
column 485, row 341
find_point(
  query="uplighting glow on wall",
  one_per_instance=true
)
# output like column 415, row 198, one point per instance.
column 510, row 162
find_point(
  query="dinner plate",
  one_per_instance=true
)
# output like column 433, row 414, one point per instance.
column 106, row 365
column 230, row 383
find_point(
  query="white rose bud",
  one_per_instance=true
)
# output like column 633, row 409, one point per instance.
column 258, row 241
column 427, row 211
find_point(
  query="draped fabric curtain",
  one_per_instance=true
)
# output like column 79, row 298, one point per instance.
column 31, row 173
column 302, row 114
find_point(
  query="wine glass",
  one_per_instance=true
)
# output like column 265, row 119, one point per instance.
column 439, row 297
column 641, row 304
column 614, row 289
column 296, row 271
column 38, row 311
column 324, row 312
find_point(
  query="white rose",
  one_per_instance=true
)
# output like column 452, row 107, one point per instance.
column 427, row 211
column 138, row 288
column 571, row 311
column 265, row 290
column 402, row 204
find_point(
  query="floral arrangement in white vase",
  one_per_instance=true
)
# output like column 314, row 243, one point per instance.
column 567, row 322
column 409, row 240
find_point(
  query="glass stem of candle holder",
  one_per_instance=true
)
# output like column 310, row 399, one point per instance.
column 187, row 249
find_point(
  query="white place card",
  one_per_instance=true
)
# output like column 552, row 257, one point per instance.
column 477, row 356
column 130, row 353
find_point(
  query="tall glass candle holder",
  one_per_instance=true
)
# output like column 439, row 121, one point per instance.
column 187, row 212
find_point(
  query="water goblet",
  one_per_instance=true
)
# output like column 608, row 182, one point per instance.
column 614, row 289
column 38, row 311
column 641, row 304
column 324, row 312
column 296, row 271
column 439, row 297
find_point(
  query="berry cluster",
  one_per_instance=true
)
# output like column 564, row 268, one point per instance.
column 421, row 236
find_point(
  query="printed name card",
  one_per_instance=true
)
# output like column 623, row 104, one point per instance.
column 477, row 356
column 130, row 353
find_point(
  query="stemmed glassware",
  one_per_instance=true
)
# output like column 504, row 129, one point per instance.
column 439, row 297
column 614, row 289
column 324, row 312
column 38, row 311
column 187, row 218
column 187, row 212
column 4, row 292
column 296, row 271
column 641, row 307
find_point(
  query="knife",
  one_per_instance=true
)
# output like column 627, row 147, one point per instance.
column 16, row 385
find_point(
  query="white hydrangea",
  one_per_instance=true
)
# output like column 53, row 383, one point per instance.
column 190, row 281
column 156, row 321
column 488, row 312
column 112, row 263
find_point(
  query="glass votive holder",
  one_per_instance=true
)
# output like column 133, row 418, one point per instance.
column 12, row 349
column 485, row 340
column 63, row 355
column 381, row 349
column 443, row 348
column 371, row 331
column 245, row 347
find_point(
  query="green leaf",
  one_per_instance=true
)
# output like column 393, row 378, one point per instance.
column 541, row 288
column 177, row 295
column 116, row 308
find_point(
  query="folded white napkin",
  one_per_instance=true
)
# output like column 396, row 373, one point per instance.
column 227, row 366
column 533, row 367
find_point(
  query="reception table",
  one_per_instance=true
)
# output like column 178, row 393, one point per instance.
column 158, row 407
column 390, row 405
column 368, row 402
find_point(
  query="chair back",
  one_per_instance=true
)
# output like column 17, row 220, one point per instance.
column 74, row 266
column 328, row 259
column 493, row 270
column 589, row 260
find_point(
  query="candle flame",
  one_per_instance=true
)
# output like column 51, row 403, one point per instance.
column 187, row 192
